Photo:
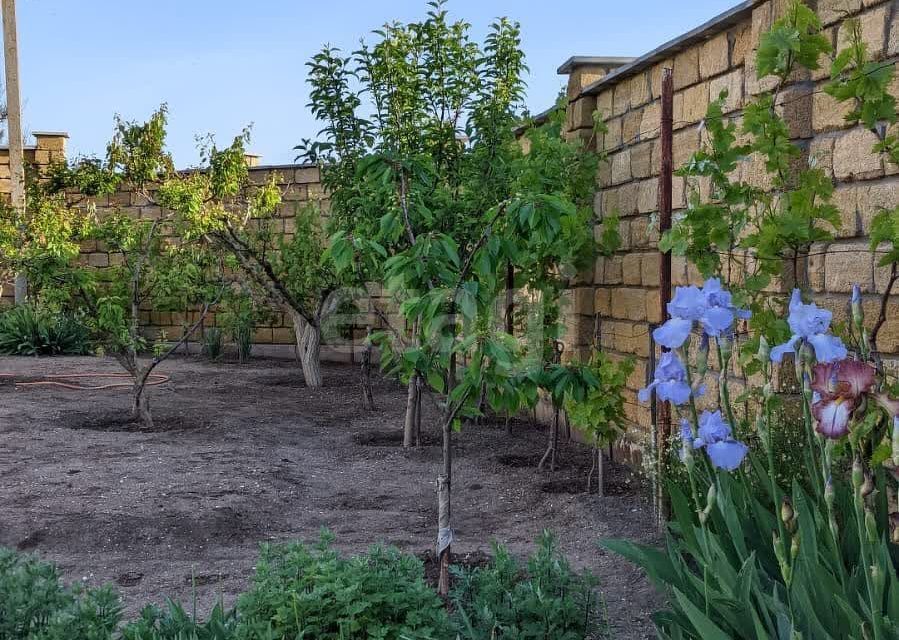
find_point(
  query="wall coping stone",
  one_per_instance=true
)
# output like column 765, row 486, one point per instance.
column 703, row 32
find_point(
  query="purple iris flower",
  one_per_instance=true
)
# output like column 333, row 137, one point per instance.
column 670, row 381
column 716, row 436
column 810, row 324
column 711, row 306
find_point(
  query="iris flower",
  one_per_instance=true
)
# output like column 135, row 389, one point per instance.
column 724, row 451
column 838, row 387
column 712, row 307
column 720, row 311
column 670, row 381
column 810, row 324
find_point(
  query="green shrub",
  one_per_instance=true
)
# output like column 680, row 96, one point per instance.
column 176, row 624
column 213, row 343
column 32, row 330
column 34, row 605
column 303, row 591
column 311, row 591
column 502, row 600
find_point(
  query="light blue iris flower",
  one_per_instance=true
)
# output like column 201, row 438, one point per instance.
column 712, row 307
column 810, row 324
column 716, row 436
column 670, row 381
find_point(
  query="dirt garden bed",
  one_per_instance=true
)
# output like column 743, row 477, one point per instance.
column 244, row 454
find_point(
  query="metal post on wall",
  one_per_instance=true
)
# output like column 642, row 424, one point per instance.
column 14, row 126
column 666, row 171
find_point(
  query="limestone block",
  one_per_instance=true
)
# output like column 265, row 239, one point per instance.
column 849, row 264
column 852, row 157
column 831, row 11
column 621, row 166
column 821, row 153
column 629, row 303
column 612, row 138
column 630, row 131
column 651, row 123
column 631, row 269
column 873, row 197
column 650, row 269
column 741, row 44
column 686, row 68
column 732, row 83
column 873, row 25
column 828, row 114
column 845, row 198
column 602, row 302
column 648, row 196
column 641, row 160
column 714, row 56
column 695, row 103
column 621, row 101
column 640, row 93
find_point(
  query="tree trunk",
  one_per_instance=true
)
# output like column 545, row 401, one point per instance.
column 600, row 473
column 411, row 411
column 550, row 454
column 592, row 469
column 308, row 337
column 140, row 406
column 419, row 392
column 444, row 509
column 510, row 299
column 368, row 399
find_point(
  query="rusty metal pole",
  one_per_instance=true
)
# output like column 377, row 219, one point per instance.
column 666, row 172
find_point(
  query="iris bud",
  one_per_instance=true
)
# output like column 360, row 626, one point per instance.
column 877, row 576
column 727, row 346
column 711, row 497
column 871, row 526
column 787, row 514
column 702, row 356
column 894, row 528
column 858, row 315
column 858, row 474
column 764, row 352
column 794, row 547
column 867, row 487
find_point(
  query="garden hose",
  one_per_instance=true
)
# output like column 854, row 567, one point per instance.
column 59, row 381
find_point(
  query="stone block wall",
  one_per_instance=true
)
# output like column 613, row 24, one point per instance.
column 300, row 185
column 621, row 298
column 49, row 147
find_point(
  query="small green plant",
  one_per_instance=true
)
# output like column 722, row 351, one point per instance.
column 600, row 415
column 34, row 330
column 545, row 600
column 213, row 343
column 174, row 623
column 35, row 606
column 303, row 591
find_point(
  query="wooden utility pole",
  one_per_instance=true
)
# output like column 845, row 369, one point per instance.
column 666, row 172
column 14, row 120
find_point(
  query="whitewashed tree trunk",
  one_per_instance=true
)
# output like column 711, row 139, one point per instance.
column 308, row 337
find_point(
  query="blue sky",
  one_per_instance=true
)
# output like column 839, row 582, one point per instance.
column 222, row 64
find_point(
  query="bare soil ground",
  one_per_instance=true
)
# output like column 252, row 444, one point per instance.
column 244, row 454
